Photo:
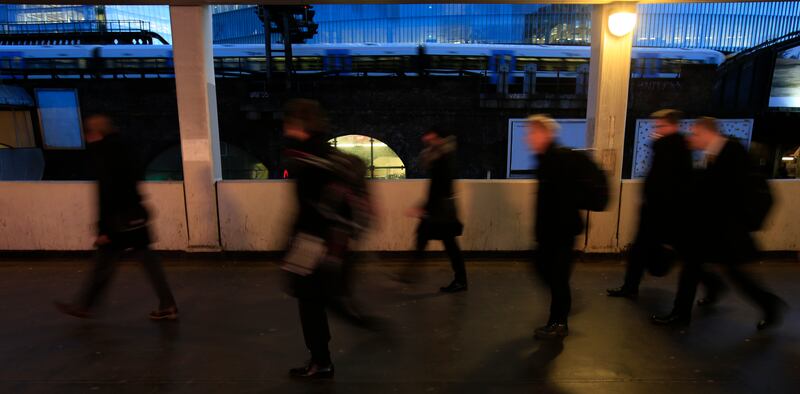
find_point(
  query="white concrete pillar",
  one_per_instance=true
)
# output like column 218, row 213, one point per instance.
column 197, row 116
column 606, row 113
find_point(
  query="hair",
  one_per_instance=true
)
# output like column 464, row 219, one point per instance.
column 112, row 127
column 708, row 123
column 671, row 116
column 439, row 130
column 545, row 121
column 307, row 114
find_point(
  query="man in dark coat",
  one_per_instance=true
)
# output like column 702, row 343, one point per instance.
column 439, row 216
column 123, row 220
column 663, row 219
column 326, row 224
column 557, row 220
column 307, row 152
column 721, row 231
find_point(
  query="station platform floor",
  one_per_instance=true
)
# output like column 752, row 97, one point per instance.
column 239, row 333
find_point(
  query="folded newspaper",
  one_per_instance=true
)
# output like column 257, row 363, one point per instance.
column 304, row 255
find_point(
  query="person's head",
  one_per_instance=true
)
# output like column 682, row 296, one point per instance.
column 303, row 119
column 542, row 130
column 704, row 131
column 667, row 121
column 97, row 127
column 434, row 136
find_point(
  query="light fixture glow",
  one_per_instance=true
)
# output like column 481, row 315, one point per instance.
column 788, row 158
column 621, row 23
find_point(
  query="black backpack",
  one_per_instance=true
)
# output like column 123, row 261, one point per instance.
column 355, row 202
column 758, row 200
column 592, row 185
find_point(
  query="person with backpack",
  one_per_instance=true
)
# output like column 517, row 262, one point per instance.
column 438, row 215
column 661, row 235
column 731, row 200
column 333, row 210
column 568, row 181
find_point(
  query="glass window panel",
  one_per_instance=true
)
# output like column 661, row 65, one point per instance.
column 59, row 115
column 379, row 157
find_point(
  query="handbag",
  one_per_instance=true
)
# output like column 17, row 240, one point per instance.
column 659, row 259
column 129, row 220
column 305, row 254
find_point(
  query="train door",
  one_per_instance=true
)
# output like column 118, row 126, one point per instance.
column 501, row 62
column 337, row 61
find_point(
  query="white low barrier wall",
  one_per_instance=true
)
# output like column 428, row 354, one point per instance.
column 255, row 215
column 497, row 214
column 781, row 230
column 62, row 215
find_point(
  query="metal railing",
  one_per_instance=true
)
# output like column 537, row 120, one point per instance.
column 763, row 46
column 94, row 26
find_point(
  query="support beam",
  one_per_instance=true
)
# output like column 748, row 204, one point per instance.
column 606, row 113
column 197, row 115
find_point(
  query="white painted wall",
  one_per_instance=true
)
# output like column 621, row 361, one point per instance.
column 62, row 215
column 781, row 231
column 631, row 200
column 497, row 214
column 255, row 215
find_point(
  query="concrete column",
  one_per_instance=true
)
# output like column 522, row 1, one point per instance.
column 605, row 114
column 197, row 115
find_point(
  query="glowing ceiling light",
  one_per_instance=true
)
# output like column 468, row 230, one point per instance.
column 621, row 23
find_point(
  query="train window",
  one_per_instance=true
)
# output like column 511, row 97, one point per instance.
column 62, row 64
column 381, row 160
column 11, row 63
column 550, row 64
column 363, row 63
column 475, row 63
column 524, row 61
column 228, row 63
column 279, row 64
column 256, row 64
column 309, row 63
column 448, row 62
column 377, row 63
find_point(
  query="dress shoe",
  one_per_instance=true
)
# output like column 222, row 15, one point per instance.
column 552, row 331
column 623, row 292
column 773, row 317
column 672, row 319
column 454, row 287
column 170, row 313
column 73, row 310
column 313, row 371
column 712, row 296
column 708, row 300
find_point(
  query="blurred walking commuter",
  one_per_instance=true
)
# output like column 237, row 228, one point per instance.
column 731, row 200
column 568, row 181
column 123, row 222
column 439, row 215
column 333, row 209
column 663, row 219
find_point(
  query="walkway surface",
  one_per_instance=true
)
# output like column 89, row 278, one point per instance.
column 239, row 333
